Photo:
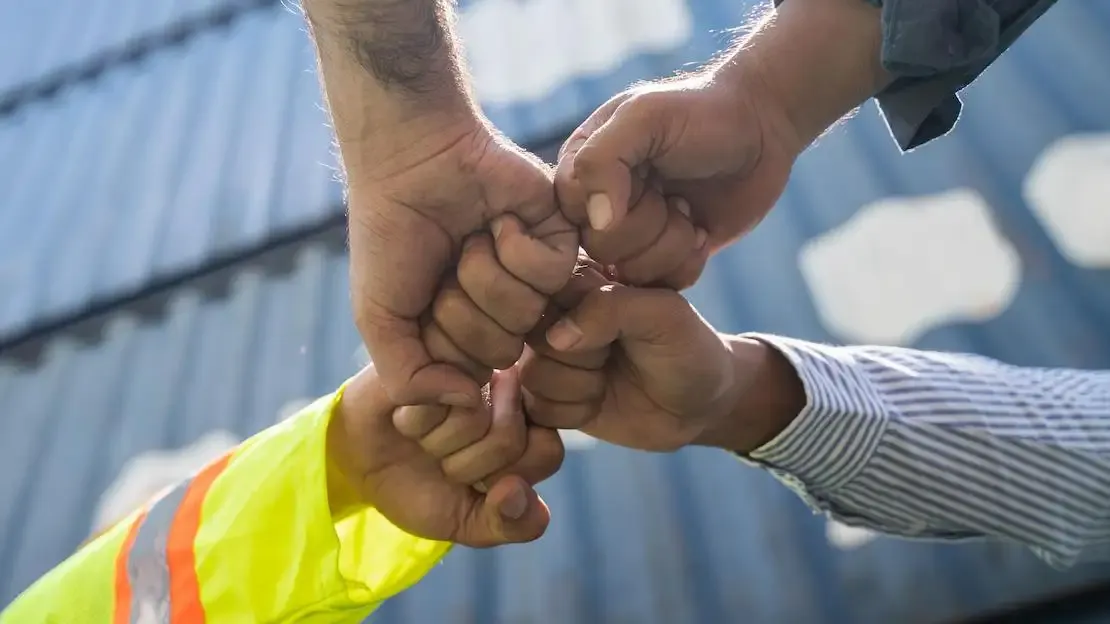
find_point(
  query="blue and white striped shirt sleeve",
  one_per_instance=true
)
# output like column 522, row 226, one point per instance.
column 947, row 446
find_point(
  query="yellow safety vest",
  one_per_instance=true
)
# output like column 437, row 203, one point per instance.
column 250, row 538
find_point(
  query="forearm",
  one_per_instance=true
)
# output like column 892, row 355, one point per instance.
column 940, row 445
column 818, row 60
column 393, row 80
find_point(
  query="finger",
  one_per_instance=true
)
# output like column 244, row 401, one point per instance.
column 416, row 421
column 441, row 349
column 414, row 378
column 568, row 190
column 541, row 256
column 645, row 223
column 687, row 274
column 505, row 442
column 588, row 359
column 510, row 302
column 605, row 163
column 678, row 240
column 542, row 458
column 512, row 512
column 550, row 379
column 615, row 312
column 392, row 283
column 461, row 428
column 476, row 334
column 558, row 414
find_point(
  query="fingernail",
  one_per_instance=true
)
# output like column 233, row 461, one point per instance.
column 700, row 237
column 599, row 210
column 515, row 504
column 682, row 206
column 457, row 399
column 496, row 226
column 563, row 335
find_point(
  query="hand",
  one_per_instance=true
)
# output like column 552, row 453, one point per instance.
column 714, row 141
column 476, row 334
column 408, row 219
column 425, row 487
column 641, row 368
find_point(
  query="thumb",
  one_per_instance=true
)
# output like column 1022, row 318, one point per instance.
column 605, row 164
column 511, row 512
column 610, row 313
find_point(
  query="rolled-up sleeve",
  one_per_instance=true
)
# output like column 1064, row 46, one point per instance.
column 948, row 446
column 935, row 48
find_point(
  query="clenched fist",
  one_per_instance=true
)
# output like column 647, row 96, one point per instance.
column 639, row 367
column 713, row 146
column 407, row 226
column 425, row 486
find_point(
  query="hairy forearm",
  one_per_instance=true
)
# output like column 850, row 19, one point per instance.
column 392, row 77
column 817, row 59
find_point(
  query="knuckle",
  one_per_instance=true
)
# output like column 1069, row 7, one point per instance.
column 451, row 304
column 539, row 411
column 443, row 350
column 547, row 445
column 462, row 427
column 414, row 422
column 686, row 275
column 477, row 256
column 506, row 353
column 644, row 102
column 474, row 421
column 440, row 347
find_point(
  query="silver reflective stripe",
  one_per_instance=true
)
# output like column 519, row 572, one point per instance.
column 147, row 568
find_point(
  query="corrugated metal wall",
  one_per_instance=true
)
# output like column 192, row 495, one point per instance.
column 992, row 240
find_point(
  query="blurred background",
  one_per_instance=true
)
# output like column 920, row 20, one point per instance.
column 173, row 279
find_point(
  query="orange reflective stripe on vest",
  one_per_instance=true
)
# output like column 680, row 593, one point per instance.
column 122, row 611
column 156, row 572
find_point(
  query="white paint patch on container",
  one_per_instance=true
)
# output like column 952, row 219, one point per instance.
column 902, row 266
column 575, row 440
column 1068, row 189
column 522, row 50
column 847, row 537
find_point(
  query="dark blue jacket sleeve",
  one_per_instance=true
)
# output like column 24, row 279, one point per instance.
column 935, row 48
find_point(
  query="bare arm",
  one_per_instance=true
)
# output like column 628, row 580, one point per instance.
column 393, row 79
column 818, row 59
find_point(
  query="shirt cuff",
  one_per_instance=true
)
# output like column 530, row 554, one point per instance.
column 835, row 435
column 920, row 111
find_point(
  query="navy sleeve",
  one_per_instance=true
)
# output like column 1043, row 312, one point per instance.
column 935, row 48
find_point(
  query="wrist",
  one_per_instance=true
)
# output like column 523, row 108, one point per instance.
column 372, row 167
column 392, row 78
column 811, row 62
column 768, row 397
column 344, row 491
